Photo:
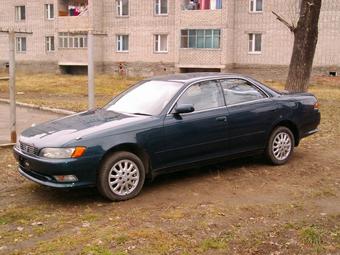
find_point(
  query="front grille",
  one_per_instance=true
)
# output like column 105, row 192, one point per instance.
column 28, row 149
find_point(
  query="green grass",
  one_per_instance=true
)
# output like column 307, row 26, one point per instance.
column 121, row 239
column 217, row 243
column 15, row 216
column 213, row 243
column 99, row 250
column 311, row 235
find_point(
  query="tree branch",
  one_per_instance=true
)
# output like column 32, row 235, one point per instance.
column 286, row 23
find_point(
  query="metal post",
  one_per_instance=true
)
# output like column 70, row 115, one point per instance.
column 90, row 70
column 12, row 89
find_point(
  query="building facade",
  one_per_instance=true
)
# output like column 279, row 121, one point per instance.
column 148, row 37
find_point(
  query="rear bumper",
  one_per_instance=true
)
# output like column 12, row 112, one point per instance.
column 310, row 124
column 42, row 170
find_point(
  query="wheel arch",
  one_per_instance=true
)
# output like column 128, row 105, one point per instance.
column 132, row 148
column 292, row 127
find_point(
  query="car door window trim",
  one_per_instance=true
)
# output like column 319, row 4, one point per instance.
column 251, row 84
column 189, row 86
column 248, row 102
column 218, row 80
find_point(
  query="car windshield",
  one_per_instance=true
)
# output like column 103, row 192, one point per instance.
column 148, row 98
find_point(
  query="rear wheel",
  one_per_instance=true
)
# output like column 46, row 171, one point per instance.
column 121, row 176
column 280, row 145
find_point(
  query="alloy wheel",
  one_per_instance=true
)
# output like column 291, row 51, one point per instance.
column 123, row 177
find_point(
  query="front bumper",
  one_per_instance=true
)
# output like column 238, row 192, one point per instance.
column 41, row 170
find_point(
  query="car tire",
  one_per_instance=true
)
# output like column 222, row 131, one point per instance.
column 121, row 176
column 280, row 145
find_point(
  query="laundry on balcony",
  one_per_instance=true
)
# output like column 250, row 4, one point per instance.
column 202, row 4
column 73, row 7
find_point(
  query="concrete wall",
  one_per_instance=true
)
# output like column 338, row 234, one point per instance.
column 277, row 40
column 35, row 22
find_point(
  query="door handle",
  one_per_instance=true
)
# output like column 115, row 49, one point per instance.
column 223, row 119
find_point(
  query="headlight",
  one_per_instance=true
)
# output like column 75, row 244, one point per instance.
column 62, row 153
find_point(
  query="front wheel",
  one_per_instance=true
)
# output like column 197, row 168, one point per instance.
column 280, row 145
column 121, row 176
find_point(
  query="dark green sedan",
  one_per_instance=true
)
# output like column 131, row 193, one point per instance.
column 164, row 124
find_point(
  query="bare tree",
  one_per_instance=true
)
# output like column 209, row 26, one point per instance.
column 305, row 41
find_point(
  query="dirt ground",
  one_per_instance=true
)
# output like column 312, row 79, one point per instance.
column 239, row 207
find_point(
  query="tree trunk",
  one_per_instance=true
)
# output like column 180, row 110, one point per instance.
column 305, row 40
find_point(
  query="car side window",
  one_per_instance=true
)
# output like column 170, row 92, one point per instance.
column 239, row 91
column 203, row 96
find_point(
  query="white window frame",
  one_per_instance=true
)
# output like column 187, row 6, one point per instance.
column 119, row 5
column 19, row 44
column 158, row 43
column 72, row 41
column 253, row 3
column 158, row 8
column 18, row 16
column 214, row 35
column 50, row 43
column 252, row 43
column 49, row 11
column 120, row 42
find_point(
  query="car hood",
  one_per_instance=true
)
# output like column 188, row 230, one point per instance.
column 79, row 126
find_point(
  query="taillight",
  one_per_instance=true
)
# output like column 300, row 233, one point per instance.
column 316, row 106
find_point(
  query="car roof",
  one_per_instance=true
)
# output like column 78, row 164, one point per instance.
column 192, row 77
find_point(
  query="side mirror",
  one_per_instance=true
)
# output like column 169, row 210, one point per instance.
column 184, row 108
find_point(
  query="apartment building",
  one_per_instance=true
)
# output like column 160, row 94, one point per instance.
column 147, row 37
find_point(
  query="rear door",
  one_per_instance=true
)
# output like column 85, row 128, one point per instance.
column 250, row 115
column 198, row 135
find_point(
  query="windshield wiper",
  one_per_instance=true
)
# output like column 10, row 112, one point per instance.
column 140, row 113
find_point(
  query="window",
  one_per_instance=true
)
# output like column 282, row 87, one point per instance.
column 122, row 7
column 49, row 11
column 149, row 97
column 122, row 43
column 239, row 91
column 161, row 43
column 49, row 41
column 200, row 38
column 161, row 7
column 203, row 96
column 20, row 13
column 255, row 43
column 255, row 5
column 72, row 40
column 21, row 44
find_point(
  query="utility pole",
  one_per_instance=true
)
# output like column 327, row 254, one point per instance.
column 12, row 87
column 11, row 81
column 90, row 70
column 90, row 66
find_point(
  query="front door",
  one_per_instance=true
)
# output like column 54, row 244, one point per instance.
column 198, row 135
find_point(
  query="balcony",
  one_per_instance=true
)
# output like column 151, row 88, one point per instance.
column 200, row 58
column 191, row 5
column 73, row 15
column 73, row 8
column 201, row 13
column 69, row 57
column 73, row 23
